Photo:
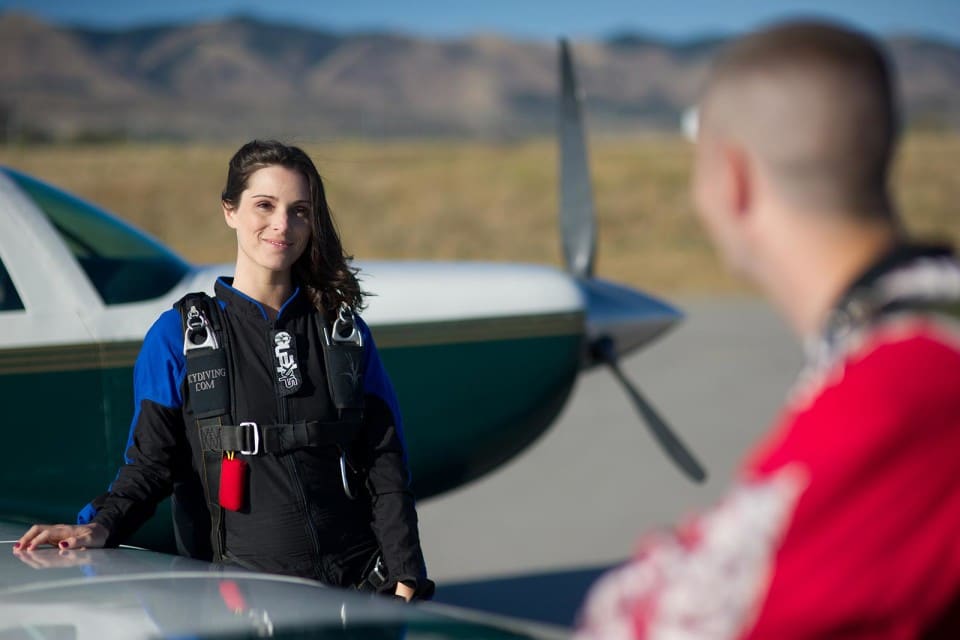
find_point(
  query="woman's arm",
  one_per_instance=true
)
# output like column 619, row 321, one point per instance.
column 156, row 449
column 394, row 510
column 388, row 481
column 156, row 446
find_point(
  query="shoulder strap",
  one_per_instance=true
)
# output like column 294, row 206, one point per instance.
column 343, row 358
column 205, row 347
column 207, row 396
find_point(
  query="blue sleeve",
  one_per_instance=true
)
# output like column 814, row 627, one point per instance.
column 157, row 377
column 160, row 368
column 376, row 381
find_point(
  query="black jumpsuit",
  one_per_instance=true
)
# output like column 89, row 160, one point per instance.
column 298, row 519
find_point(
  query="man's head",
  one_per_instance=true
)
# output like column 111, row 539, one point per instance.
column 799, row 117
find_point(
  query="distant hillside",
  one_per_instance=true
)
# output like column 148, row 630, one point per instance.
column 241, row 77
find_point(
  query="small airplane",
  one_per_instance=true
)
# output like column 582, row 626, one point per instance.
column 483, row 356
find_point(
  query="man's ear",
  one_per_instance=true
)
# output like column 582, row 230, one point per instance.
column 229, row 214
column 740, row 180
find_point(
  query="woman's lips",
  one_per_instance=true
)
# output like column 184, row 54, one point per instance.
column 280, row 244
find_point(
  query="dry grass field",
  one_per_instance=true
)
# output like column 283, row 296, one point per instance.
column 468, row 200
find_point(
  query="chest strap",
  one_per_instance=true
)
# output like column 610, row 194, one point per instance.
column 249, row 438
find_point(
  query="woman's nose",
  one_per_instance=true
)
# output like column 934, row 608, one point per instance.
column 280, row 220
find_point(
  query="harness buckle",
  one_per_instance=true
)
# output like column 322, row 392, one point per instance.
column 197, row 323
column 380, row 571
column 345, row 327
column 256, row 438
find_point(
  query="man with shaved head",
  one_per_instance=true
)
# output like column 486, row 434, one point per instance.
column 845, row 520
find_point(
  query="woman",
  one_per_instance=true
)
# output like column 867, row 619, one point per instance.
column 278, row 460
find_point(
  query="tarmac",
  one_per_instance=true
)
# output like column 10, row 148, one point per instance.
column 528, row 540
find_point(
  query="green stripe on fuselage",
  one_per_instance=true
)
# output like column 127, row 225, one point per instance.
column 419, row 334
column 69, row 357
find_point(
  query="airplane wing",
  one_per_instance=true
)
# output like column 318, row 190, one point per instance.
column 135, row 593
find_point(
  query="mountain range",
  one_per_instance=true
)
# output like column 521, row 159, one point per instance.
column 238, row 77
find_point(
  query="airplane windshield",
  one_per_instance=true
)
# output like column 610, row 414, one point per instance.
column 9, row 300
column 123, row 264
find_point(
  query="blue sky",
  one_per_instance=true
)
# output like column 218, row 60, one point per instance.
column 542, row 19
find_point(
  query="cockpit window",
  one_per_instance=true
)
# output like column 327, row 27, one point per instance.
column 123, row 264
column 9, row 299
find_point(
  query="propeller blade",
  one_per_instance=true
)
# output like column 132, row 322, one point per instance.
column 604, row 352
column 578, row 224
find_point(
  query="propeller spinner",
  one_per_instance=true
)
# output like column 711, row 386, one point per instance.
column 578, row 226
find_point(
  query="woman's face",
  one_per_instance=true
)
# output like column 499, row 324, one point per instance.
column 272, row 220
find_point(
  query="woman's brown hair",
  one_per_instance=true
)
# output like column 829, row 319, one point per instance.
column 323, row 269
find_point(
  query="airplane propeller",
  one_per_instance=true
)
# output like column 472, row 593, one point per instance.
column 578, row 228
column 578, row 220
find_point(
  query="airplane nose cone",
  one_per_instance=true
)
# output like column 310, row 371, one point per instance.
column 628, row 317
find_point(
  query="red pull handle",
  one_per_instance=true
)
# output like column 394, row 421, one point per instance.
column 233, row 483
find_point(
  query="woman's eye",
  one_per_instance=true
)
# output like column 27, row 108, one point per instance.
column 263, row 205
column 302, row 212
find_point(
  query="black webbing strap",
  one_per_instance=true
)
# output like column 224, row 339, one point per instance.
column 216, row 408
column 254, row 439
column 211, row 485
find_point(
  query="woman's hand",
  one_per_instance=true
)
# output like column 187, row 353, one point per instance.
column 404, row 591
column 64, row 536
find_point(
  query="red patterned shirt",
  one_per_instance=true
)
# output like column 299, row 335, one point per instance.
column 845, row 519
